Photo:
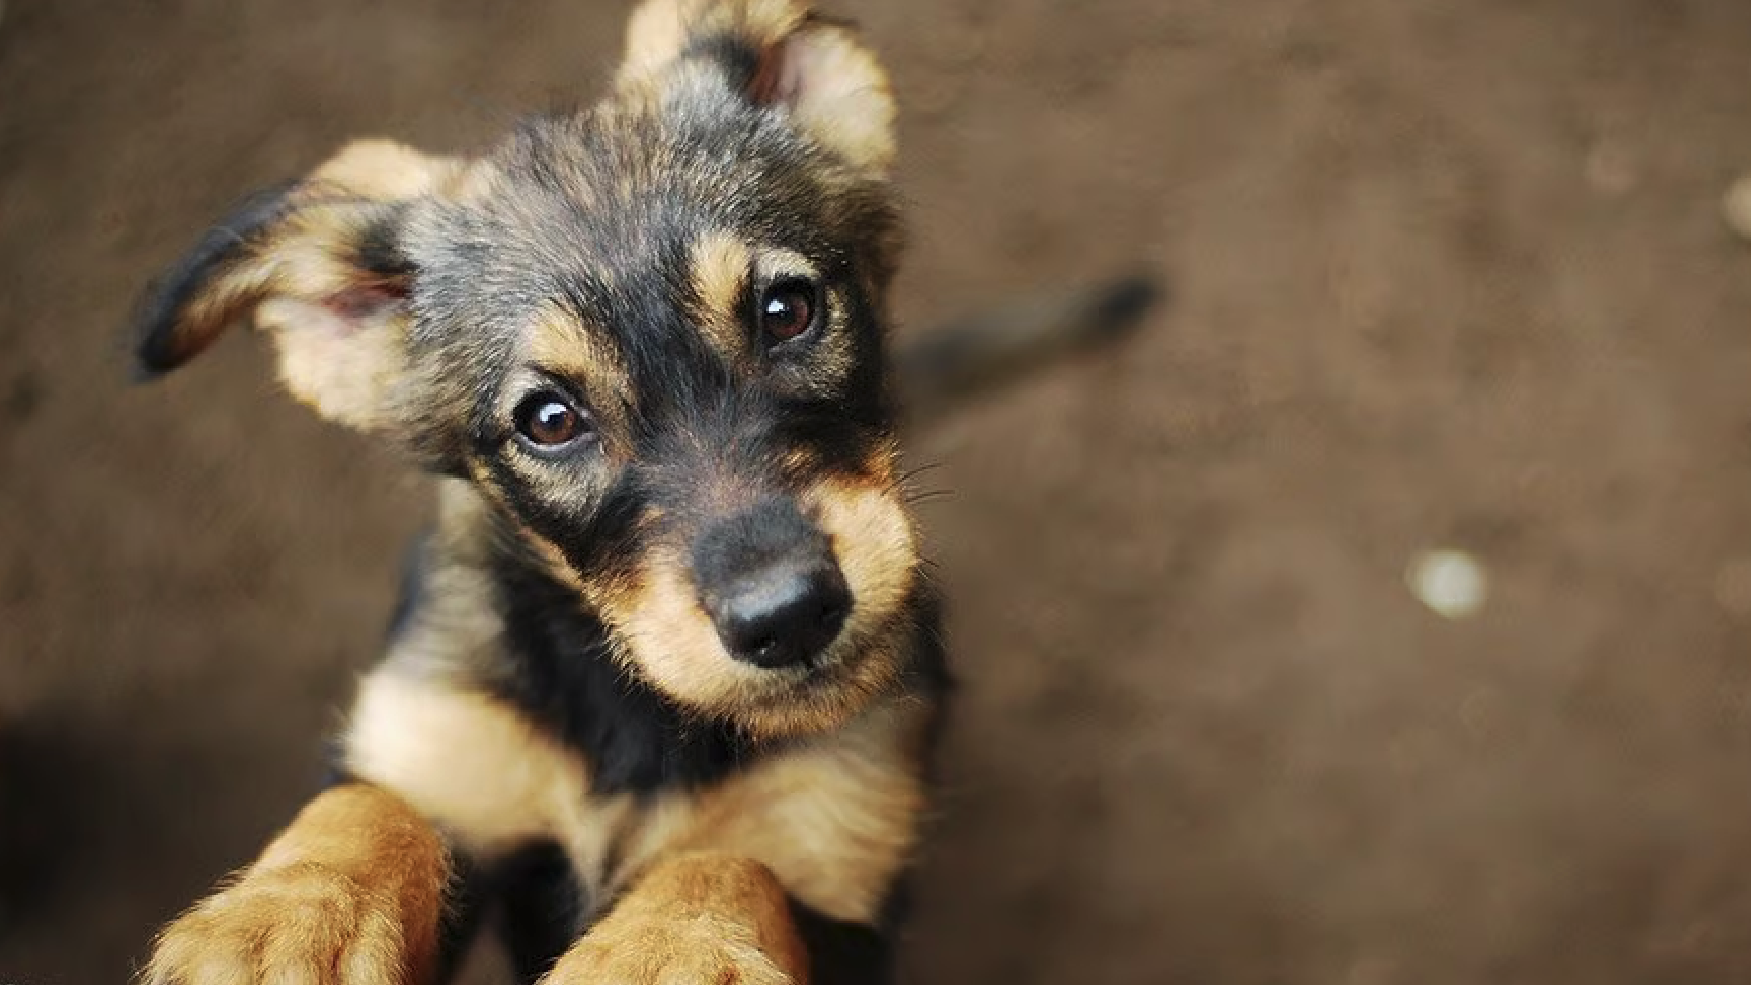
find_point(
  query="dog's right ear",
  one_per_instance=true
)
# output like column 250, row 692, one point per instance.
column 319, row 267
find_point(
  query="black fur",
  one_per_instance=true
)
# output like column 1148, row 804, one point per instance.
column 379, row 249
column 842, row 953
column 543, row 909
column 162, row 304
column 562, row 674
column 558, row 670
column 466, row 899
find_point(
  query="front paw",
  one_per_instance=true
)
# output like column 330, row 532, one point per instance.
column 697, row 951
column 297, row 925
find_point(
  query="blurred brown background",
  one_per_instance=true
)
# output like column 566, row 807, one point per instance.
column 1444, row 273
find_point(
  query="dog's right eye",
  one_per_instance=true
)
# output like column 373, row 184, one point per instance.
column 787, row 310
column 548, row 422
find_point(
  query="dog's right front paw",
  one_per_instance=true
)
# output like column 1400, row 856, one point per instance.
column 297, row 925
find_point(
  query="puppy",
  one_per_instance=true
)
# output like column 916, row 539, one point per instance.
column 660, row 698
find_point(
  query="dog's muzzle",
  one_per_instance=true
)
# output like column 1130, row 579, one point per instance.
column 769, row 581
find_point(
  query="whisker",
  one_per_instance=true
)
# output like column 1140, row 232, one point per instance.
column 915, row 472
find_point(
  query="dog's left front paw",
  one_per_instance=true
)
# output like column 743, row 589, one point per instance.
column 700, row 951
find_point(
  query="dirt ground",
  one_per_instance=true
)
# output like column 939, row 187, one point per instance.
column 1444, row 274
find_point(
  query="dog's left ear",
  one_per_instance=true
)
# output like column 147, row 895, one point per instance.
column 318, row 266
column 780, row 54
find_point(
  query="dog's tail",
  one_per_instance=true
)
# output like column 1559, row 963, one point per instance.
column 940, row 369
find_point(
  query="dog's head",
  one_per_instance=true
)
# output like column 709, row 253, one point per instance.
column 650, row 334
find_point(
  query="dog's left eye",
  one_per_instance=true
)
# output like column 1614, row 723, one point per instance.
column 548, row 422
column 787, row 310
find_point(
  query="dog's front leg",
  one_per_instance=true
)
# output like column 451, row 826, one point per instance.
column 699, row 918
column 350, row 893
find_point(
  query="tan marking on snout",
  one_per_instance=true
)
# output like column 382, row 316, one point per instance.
column 873, row 540
column 672, row 643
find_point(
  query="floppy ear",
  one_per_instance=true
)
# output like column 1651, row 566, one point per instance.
column 781, row 54
column 318, row 266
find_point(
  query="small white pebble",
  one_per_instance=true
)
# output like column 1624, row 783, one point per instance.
column 1450, row 582
column 1736, row 207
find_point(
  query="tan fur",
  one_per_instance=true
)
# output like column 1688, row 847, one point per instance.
column 721, row 265
column 674, row 646
column 835, row 90
column 841, row 97
column 221, row 303
column 355, row 885
column 462, row 758
column 340, row 369
column 558, row 343
column 661, row 29
column 672, row 643
column 461, row 532
column 836, row 820
column 478, row 767
column 701, row 917
column 382, row 171
column 875, row 544
column 342, row 366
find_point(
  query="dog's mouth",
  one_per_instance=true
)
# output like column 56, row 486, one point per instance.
column 839, row 660
column 799, row 640
column 850, row 674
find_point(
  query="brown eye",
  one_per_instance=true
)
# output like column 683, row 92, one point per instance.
column 547, row 421
column 787, row 310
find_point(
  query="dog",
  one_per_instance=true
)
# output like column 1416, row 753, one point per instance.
column 660, row 697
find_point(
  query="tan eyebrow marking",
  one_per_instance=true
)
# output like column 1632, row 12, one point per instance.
column 721, row 265
column 558, row 342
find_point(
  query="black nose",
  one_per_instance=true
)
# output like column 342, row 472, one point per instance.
column 768, row 579
column 784, row 616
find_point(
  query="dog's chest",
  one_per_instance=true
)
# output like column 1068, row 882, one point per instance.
column 834, row 817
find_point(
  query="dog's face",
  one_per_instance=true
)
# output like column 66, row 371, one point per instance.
column 650, row 334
